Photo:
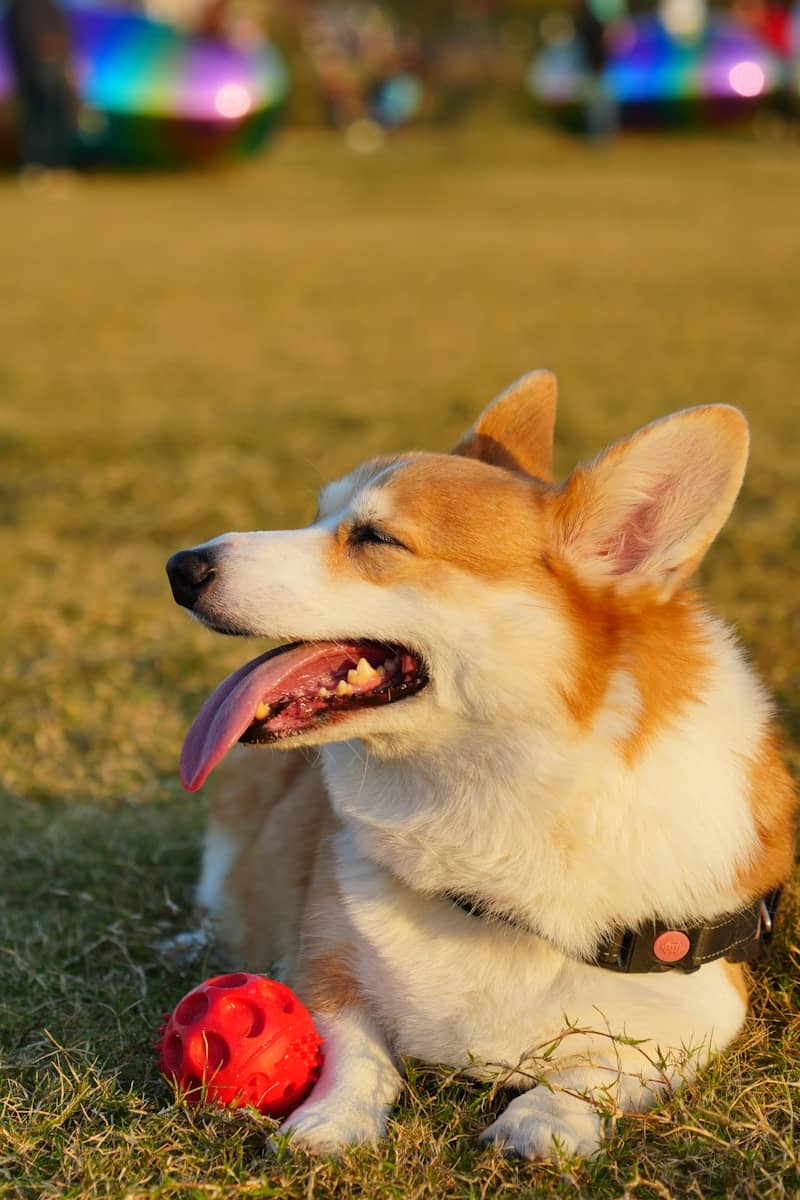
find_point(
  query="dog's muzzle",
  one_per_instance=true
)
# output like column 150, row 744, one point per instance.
column 190, row 574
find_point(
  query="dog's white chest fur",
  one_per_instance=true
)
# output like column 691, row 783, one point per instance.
column 474, row 997
column 481, row 996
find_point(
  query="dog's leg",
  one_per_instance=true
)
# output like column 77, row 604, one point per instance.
column 258, row 857
column 358, row 1085
column 688, row 1019
column 360, row 1080
column 570, row 1110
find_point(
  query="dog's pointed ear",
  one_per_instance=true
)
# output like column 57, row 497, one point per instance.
column 645, row 511
column 516, row 430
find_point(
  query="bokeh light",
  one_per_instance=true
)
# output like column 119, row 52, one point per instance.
column 232, row 101
column 747, row 78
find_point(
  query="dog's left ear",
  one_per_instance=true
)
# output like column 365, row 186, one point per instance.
column 645, row 511
column 516, row 430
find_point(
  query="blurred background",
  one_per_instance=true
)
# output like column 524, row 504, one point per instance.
column 245, row 245
column 159, row 81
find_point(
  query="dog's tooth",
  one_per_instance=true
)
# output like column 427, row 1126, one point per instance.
column 343, row 688
column 390, row 666
column 263, row 711
column 363, row 673
column 324, row 694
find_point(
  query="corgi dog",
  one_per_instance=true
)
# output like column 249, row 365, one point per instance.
column 549, row 813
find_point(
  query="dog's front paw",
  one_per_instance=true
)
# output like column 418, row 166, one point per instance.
column 545, row 1124
column 324, row 1127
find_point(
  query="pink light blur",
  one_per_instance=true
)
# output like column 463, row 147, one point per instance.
column 232, row 101
column 747, row 79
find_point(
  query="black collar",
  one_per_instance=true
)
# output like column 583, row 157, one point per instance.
column 654, row 946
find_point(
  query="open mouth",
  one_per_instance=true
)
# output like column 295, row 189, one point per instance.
column 292, row 690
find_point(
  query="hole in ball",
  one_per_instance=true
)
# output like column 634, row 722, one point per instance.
column 283, row 997
column 229, row 981
column 243, row 1018
column 192, row 1009
column 173, row 1051
column 211, row 1049
column 193, row 1089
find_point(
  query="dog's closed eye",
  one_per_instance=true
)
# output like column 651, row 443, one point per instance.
column 371, row 534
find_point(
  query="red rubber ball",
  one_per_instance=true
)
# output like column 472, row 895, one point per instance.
column 241, row 1040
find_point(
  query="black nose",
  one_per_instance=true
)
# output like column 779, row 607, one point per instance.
column 190, row 572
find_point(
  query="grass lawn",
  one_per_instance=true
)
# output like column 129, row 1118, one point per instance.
column 184, row 355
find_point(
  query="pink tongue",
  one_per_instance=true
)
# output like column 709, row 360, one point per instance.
column 229, row 710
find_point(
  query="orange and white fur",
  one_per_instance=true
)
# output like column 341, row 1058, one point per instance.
column 592, row 750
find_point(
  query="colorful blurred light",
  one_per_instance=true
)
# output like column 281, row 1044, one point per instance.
column 747, row 78
column 652, row 75
column 232, row 101
column 148, row 93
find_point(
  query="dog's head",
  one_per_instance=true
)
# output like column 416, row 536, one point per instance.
column 436, row 593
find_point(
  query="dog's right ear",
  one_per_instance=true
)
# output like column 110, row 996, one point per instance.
column 516, row 430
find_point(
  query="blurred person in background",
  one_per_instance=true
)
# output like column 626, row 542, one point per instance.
column 593, row 22
column 183, row 14
column 242, row 22
column 208, row 18
column 38, row 45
